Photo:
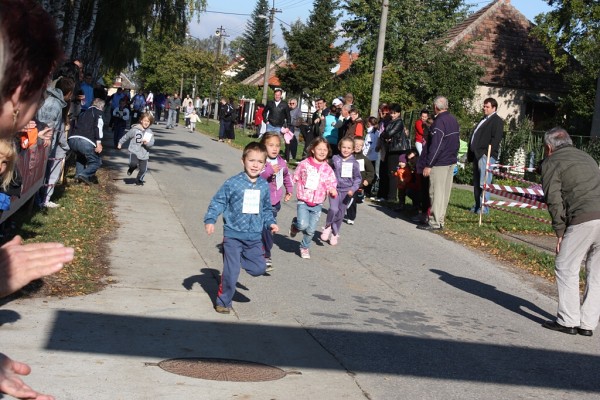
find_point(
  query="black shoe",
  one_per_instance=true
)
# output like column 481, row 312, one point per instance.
column 585, row 332
column 94, row 179
column 139, row 183
column 555, row 326
column 130, row 171
column 82, row 179
column 427, row 227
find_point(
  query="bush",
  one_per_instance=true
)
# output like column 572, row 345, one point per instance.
column 465, row 175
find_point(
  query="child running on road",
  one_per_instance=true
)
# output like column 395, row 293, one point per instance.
column 245, row 203
column 141, row 139
column 314, row 180
column 276, row 173
column 347, row 174
column 367, row 173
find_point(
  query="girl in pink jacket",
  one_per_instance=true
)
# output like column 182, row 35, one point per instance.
column 314, row 180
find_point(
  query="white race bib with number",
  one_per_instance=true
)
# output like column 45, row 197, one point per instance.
column 312, row 180
column 279, row 179
column 347, row 169
column 251, row 201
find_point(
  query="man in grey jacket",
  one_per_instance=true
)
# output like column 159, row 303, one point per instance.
column 571, row 183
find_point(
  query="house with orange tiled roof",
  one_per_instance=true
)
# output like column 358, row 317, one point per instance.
column 518, row 70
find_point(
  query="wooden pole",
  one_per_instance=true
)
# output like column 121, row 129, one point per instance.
column 487, row 166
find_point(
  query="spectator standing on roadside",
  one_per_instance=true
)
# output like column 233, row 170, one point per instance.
column 487, row 133
column 370, row 150
column 420, row 126
column 159, row 106
column 120, row 117
column 88, row 92
column 150, row 101
column 442, row 152
column 571, row 183
column 276, row 113
column 395, row 142
column 226, row 118
column 259, row 121
column 356, row 127
column 291, row 148
column 54, row 113
column 174, row 104
column 139, row 105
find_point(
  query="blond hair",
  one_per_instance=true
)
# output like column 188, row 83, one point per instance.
column 9, row 151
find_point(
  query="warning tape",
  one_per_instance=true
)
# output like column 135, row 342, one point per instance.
column 538, row 204
column 512, row 167
column 516, row 204
column 515, row 189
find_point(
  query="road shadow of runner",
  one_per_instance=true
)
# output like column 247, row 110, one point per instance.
column 209, row 280
column 489, row 292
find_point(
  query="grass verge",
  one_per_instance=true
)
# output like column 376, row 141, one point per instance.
column 463, row 227
column 85, row 222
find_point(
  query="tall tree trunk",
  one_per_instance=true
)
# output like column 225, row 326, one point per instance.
column 69, row 44
column 596, row 119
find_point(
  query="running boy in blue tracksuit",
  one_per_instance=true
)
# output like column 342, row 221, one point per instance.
column 244, row 200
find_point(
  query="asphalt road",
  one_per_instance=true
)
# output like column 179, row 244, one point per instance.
column 406, row 313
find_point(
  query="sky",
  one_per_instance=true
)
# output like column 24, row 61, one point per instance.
column 223, row 13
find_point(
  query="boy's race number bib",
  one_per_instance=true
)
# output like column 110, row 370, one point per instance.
column 251, row 203
column 361, row 165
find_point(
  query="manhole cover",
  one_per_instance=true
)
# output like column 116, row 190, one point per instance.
column 220, row 369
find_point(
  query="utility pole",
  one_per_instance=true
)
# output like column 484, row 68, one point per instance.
column 379, row 58
column 272, row 12
column 220, row 33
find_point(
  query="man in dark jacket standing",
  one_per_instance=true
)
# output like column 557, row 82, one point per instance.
column 571, row 183
column 276, row 113
column 442, row 153
column 488, row 132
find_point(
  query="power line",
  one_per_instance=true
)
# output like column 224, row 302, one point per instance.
column 223, row 12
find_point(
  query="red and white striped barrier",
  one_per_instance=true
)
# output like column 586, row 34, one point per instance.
column 512, row 167
column 515, row 193
column 536, row 204
column 515, row 189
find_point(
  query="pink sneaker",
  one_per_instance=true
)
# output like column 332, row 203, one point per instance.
column 326, row 233
column 334, row 240
column 304, row 253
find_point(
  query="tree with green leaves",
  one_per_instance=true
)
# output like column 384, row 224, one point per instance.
column 165, row 62
column 417, row 66
column 572, row 28
column 108, row 34
column 254, row 41
column 311, row 50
